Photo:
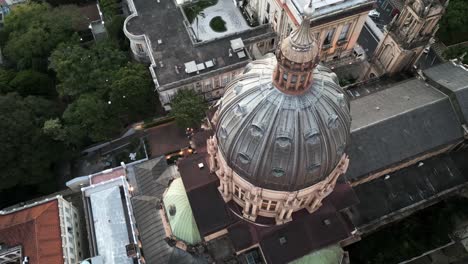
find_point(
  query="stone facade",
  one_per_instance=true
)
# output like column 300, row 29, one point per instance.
column 405, row 38
column 264, row 202
column 337, row 32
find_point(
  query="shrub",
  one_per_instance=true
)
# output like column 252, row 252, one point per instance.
column 218, row 24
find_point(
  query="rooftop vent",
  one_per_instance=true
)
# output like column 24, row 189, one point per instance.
column 241, row 54
column 282, row 240
column 237, row 44
column 190, row 67
column 209, row 64
column 327, row 222
column 161, row 64
column 387, row 177
column 160, row 40
column 172, row 210
column 201, row 165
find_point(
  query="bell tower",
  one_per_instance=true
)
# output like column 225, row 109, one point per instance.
column 406, row 36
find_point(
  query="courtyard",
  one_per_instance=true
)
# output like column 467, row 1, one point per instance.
column 228, row 11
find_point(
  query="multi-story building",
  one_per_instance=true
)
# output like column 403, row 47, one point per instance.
column 406, row 37
column 46, row 231
column 335, row 24
column 184, row 55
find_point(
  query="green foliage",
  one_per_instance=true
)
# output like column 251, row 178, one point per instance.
column 30, row 82
column 188, row 109
column 115, row 30
column 82, row 70
column 5, row 77
column 89, row 116
column 193, row 10
column 218, row 24
column 27, row 154
column 456, row 52
column 158, row 121
column 110, row 8
column 132, row 93
column 33, row 30
column 53, row 128
column 453, row 25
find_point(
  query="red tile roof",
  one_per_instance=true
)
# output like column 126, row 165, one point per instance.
column 108, row 175
column 37, row 230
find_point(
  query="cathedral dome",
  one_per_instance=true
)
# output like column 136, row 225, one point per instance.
column 282, row 141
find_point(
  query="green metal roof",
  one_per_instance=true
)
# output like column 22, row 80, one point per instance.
column 329, row 255
column 180, row 214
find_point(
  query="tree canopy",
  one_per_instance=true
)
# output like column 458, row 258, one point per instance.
column 453, row 25
column 33, row 30
column 188, row 109
column 81, row 70
column 27, row 154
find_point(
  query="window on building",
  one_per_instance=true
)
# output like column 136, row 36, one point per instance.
column 239, row 192
column 208, row 86
column 329, row 37
column 302, row 202
column 198, row 87
column 269, row 205
column 216, row 81
column 225, row 80
column 344, row 32
column 268, row 8
column 285, row 76
column 294, row 79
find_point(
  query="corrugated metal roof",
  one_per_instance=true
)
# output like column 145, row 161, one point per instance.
column 329, row 255
column 179, row 213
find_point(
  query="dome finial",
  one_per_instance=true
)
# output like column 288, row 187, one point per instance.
column 308, row 10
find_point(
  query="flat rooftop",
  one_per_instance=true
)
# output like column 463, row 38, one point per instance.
column 164, row 22
column 328, row 7
column 110, row 219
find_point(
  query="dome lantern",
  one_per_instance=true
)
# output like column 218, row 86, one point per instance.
column 297, row 57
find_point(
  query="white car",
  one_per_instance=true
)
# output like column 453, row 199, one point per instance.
column 374, row 13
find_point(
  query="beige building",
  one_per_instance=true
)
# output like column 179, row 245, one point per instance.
column 304, row 136
column 406, row 37
column 179, row 57
column 335, row 24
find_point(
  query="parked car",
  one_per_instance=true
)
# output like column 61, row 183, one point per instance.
column 374, row 13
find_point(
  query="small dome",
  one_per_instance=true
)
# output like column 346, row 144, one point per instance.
column 280, row 141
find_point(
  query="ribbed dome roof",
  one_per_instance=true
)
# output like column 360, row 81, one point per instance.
column 280, row 141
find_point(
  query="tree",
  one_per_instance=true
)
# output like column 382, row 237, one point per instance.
column 188, row 109
column 453, row 27
column 5, row 78
column 27, row 155
column 89, row 117
column 30, row 82
column 82, row 70
column 33, row 30
column 132, row 93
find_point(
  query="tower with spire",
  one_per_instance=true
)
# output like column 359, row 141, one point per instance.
column 406, row 36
